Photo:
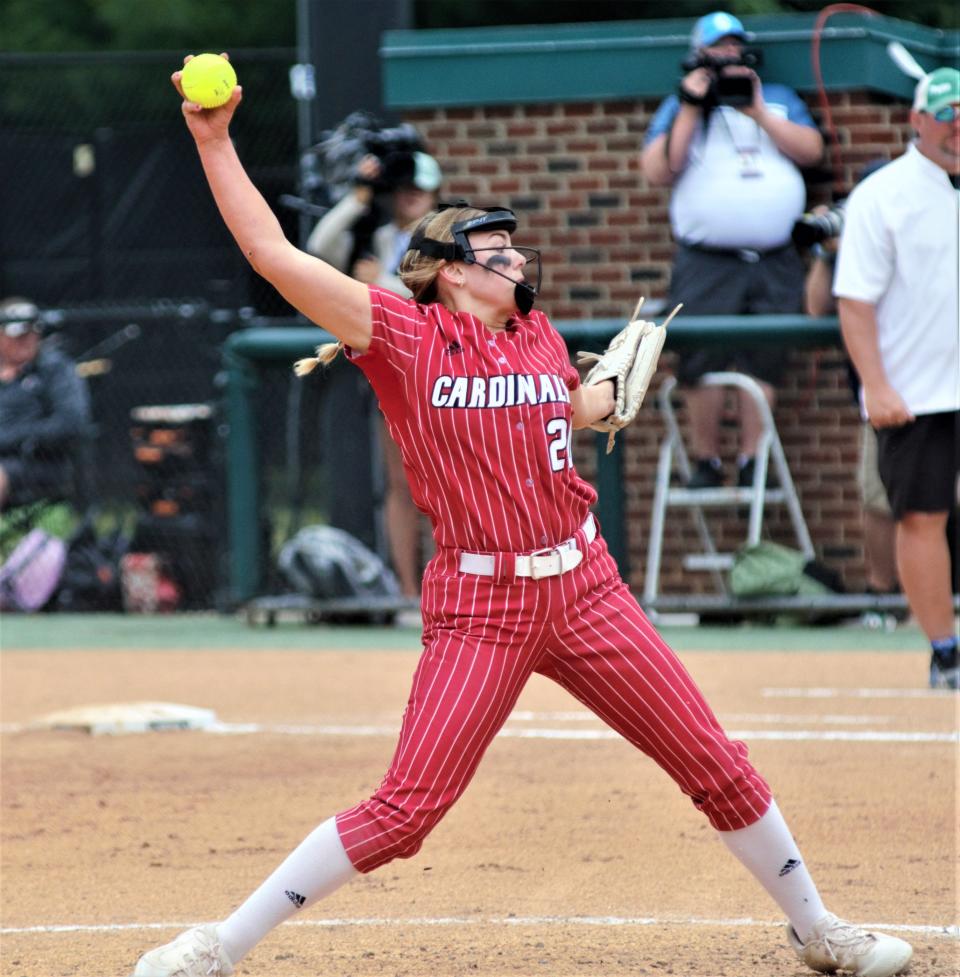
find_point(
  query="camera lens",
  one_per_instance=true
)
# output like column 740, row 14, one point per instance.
column 817, row 228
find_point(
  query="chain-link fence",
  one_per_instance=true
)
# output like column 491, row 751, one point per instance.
column 101, row 194
column 106, row 223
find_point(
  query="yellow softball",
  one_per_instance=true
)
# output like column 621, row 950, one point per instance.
column 208, row 80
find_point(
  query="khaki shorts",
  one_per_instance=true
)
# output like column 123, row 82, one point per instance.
column 872, row 493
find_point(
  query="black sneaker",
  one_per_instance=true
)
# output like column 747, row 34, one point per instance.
column 945, row 670
column 706, row 474
column 746, row 472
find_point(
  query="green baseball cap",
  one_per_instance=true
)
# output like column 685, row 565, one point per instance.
column 937, row 89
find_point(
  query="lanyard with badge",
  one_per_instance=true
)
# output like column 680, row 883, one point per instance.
column 748, row 157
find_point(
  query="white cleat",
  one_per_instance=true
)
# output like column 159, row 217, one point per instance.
column 838, row 946
column 194, row 953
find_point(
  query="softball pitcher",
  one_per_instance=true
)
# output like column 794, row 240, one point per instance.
column 478, row 391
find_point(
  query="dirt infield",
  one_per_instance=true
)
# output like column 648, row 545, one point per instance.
column 570, row 854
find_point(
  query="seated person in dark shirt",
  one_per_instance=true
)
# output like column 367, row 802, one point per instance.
column 44, row 408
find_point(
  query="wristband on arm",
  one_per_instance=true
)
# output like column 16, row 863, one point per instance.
column 689, row 98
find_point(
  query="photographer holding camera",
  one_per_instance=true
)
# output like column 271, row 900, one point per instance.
column 410, row 180
column 731, row 147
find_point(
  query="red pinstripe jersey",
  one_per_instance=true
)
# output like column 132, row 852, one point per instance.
column 483, row 421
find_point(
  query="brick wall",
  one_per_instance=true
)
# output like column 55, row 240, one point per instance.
column 571, row 171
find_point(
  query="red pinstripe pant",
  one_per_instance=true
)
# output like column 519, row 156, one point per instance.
column 482, row 640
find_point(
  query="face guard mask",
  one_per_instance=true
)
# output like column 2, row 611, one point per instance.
column 494, row 219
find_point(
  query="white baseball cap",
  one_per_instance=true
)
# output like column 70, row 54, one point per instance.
column 416, row 169
column 426, row 172
column 18, row 318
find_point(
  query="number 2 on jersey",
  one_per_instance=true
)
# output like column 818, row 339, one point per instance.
column 560, row 434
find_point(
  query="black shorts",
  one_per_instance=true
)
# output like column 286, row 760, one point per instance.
column 725, row 284
column 919, row 463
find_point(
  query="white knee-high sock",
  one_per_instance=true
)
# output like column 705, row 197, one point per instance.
column 315, row 868
column 767, row 849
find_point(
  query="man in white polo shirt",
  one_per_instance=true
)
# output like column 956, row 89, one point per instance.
column 730, row 146
column 897, row 286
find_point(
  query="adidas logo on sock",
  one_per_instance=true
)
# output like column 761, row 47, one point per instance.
column 788, row 866
column 298, row 900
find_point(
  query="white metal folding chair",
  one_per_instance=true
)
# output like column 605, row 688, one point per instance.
column 673, row 457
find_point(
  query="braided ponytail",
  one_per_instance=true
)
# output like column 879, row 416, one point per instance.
column 325, row 355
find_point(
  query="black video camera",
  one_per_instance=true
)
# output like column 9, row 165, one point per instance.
column 332, row 162
column 813, row 229
column 726, row 89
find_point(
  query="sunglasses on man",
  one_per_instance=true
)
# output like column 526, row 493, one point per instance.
column 948, row 113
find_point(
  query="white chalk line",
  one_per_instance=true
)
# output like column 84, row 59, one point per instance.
column 785, row 719
column 542, row 733
column 950, row 931
column 584, row 716
column 545, row 733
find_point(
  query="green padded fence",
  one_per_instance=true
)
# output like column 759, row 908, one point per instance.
column 244, row 352
column 640, row 59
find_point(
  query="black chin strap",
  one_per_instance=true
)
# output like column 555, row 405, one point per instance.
column 524, row 294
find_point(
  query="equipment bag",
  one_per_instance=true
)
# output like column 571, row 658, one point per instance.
column 32, row 572
column 91, row 577
column 770, row 570
column 325, row 562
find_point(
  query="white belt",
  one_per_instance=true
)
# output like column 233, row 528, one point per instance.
column 547, row 562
